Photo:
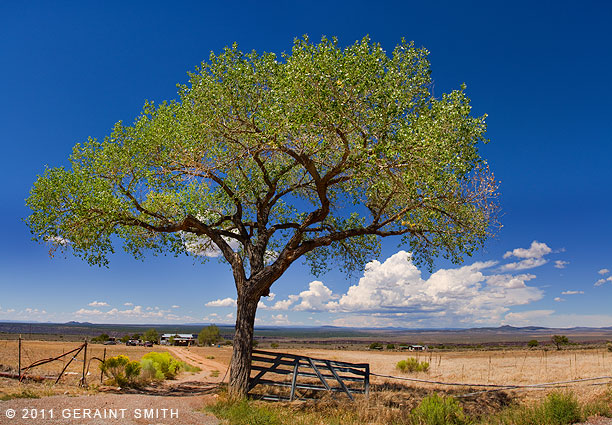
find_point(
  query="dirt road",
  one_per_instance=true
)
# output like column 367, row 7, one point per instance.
column 212, row 371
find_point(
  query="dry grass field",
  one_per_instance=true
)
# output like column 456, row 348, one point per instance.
column 511, row 367
column 36, row 350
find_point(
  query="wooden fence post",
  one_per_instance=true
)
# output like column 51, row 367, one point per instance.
column 19, row 361
column 84, row 365
column 101, row 371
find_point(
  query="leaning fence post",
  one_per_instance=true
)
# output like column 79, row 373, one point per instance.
column 19, row 361
column 101, row 370
column 84, row 364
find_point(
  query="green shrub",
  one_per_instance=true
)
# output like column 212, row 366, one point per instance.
column 533, row 343
column 376, row 346
column 164, row 363
column 151, row 372
column 561, row 408
column 436, row 410
column 557, row 409
column 390, row 346
column 121, row 371
column 412, row 365
column 609, row 346
column 274, row 345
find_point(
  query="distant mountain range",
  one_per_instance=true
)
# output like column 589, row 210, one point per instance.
column 471, row 336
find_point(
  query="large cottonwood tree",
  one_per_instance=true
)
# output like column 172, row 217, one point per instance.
column 317, row 154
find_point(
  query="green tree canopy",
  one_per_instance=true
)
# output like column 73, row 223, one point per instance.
column 263, row 160
column 560, row 340
column 151, row 335
column 209, row 335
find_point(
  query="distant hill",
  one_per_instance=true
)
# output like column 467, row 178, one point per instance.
column 487, row 335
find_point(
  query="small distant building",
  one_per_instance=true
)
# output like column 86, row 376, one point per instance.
column 178, row 339
column 417, row 348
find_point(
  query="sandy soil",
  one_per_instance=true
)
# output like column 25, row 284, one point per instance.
column 128, row 409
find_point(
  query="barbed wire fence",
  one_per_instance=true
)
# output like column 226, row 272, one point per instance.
column 500, row 387
column 26, row 356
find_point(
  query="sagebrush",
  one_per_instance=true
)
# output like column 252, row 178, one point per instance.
column 412, row 365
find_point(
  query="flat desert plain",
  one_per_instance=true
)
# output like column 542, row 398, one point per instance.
column 502, row 367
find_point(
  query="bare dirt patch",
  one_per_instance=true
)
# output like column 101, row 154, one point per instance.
column 128, row 409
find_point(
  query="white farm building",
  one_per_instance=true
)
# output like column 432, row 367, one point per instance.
column 178, row 339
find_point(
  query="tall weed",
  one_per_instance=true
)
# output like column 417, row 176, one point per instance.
column 436, row 410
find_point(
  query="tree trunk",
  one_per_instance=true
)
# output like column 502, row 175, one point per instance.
column 240, row 366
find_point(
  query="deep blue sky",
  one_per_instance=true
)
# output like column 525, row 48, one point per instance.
column 541, row 71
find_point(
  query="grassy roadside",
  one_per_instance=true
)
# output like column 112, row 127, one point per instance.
column 558, row 408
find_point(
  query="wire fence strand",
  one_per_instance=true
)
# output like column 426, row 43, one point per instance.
column 498, row 387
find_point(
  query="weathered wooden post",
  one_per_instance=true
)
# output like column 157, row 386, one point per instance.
column 84, row 364
column 101, row 371
column 19, row 359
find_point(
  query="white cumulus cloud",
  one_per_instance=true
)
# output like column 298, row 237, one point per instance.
column 226, row 302
column 98, row 304
column 560, row 264
column 315, row 298
column 603, row 280
column 536, row 250
column 285, row 304
column 530, row 257
column 280, row 319
column 528, row 263
column 603, row 271
column 572, row 292
column 395, row 291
